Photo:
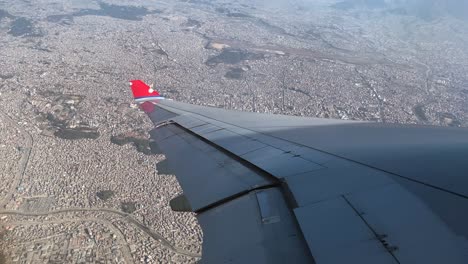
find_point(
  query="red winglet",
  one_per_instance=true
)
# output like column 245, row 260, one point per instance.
column 142, row 90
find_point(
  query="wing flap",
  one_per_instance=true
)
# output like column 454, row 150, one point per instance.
column 408, row 227
column 254, row 228
column 336, row 234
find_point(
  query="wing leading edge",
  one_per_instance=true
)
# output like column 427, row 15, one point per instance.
column 278, row 188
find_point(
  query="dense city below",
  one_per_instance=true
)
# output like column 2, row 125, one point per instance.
column 80, row 181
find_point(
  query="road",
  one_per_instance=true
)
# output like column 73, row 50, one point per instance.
column 164, row 242
column 26, row 153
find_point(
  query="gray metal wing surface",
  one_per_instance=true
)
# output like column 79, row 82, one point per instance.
column 282, row 189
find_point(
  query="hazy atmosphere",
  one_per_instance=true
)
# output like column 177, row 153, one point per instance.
column 77, row 170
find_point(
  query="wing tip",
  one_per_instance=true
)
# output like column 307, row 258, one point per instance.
column 142, row 91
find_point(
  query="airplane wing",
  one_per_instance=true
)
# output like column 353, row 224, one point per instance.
column 282, row 189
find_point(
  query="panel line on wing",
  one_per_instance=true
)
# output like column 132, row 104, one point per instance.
column 380, row 237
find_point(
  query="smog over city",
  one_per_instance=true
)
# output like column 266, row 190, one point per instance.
column 82, row 181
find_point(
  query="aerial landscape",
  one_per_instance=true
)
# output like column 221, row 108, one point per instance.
column 80, row 182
